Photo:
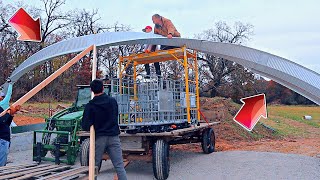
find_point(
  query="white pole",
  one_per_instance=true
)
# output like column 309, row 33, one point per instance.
column 92, row 131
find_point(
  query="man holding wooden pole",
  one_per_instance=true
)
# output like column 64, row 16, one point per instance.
column 102, row 113
column 5, row 122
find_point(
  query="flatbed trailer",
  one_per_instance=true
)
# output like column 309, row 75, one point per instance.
column 154, row 147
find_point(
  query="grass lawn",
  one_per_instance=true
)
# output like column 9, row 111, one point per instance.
column 288, row 120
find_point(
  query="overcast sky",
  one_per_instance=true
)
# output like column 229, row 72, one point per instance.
column 287, row 28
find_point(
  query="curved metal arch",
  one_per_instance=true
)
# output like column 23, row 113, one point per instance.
column 294, row 76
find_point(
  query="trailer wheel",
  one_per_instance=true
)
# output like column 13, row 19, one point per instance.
column 160, row 159
column 84, row 152
column 208, row 141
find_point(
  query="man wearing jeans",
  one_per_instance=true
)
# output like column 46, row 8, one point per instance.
column 5, row 122
column 102, row 113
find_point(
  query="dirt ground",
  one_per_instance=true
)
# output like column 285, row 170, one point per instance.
column 308, row 147
column 34, row 113
column 21, row 120
column 294, row 136
column 297, row 138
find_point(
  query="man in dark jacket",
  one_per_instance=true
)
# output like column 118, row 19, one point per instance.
column 5, row 122
column 102, row 113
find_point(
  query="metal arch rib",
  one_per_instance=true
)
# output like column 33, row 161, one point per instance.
column 294, row 76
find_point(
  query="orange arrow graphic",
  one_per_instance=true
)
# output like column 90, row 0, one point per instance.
column 28, row 28
column 252, row 110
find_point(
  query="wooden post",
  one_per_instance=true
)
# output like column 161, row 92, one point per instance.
column 48, row 80
column 92, row 131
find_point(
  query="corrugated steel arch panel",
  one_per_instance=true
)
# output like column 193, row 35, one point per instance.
column 294, row 76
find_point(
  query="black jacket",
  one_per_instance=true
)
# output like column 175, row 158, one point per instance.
column 5, row 122
column 102, row 113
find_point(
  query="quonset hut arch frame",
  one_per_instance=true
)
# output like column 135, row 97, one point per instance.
column 292, row 75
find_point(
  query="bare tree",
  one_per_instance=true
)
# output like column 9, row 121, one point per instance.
column 54, row 19
column 216, row 71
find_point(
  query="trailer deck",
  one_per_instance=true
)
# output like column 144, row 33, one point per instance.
column 174, row 133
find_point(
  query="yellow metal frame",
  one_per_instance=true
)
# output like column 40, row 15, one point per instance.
column 186, row 58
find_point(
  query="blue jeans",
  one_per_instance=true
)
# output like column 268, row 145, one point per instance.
column 112, row 145
column 4, row 151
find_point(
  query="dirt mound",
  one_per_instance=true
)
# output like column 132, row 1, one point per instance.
column 229, row 135
column 21, row 120
column 36, row 113
column 223, row 110
column 218, row 108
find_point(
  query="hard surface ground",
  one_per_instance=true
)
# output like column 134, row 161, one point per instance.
column 219, row 165
column 237, row 157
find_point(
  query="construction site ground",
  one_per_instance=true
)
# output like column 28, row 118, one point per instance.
column 284, row 131
column 284, row 146
column 186, row 165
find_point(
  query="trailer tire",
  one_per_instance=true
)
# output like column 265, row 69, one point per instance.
column 208, row 141
column 160, row 159
column 84, row 152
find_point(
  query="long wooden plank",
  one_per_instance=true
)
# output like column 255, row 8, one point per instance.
column 172, row 133
column 181, row 132
column 27, row 176
column 78, row 176
column 92, row 147
column 48, row 80
column 18, row 174
column 22, row 169
column 68, row 173
column 5, row 168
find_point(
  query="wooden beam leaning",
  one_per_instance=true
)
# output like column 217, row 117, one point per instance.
column 92, row 147
column 49, row 79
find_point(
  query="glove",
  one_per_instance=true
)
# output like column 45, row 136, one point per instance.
column 14, row 110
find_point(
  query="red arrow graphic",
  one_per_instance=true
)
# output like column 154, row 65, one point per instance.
column 251, row 111
column 28, row 28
